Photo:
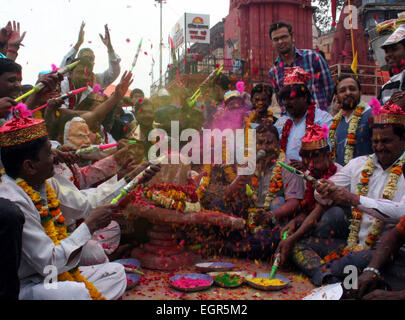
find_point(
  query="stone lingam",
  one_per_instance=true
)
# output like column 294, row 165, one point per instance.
column 164, row 251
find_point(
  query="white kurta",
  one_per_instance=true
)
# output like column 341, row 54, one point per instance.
column 104, row 241
column 349, row 177
column 38, row 250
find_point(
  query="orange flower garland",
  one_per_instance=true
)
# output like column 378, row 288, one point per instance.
column 205, row 181
column 276, row 184
column 53, row 223
column 229, row 171
column 351, row 133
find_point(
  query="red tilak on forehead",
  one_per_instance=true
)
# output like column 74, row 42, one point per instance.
column 19, row 76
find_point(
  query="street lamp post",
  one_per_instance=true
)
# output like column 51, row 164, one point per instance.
column 161, row 42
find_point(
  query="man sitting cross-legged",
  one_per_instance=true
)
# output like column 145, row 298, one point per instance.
column 47, row 248
column 365, row 183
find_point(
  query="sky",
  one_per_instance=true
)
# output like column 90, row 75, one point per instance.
column 53, row 27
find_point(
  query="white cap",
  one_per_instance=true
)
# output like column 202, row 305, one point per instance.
column 397, row 36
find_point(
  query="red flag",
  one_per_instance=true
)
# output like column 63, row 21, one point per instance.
column 334, row 7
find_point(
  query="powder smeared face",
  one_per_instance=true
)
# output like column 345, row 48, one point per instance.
column 79, row 135
column 260, row 101
column 267, row 142
column 395, row 56
column 348, row 94
column 81, row 76
column 386, row 145
column 317, row 162
column 10, row 85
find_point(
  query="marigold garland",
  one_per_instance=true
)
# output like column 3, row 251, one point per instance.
column 206, row 179
column 362, row 190
column 289, row 123
column 276, row 181
column 351, row 132
column 276, row 184
column 170, row 196
column 53, row 223
column 229, row 171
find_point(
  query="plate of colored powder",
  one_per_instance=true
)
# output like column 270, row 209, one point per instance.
column 262, row 281
column 214, row 266
column 132, row 280
column 130, row 264
column 227, row 280
column 190, row 282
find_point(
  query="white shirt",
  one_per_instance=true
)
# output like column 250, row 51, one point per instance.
column 77, row 204
column 104, row 79
column 349, row 177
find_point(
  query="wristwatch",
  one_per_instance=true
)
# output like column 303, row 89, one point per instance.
column 374, row 270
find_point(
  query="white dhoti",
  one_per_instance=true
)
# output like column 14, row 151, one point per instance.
column 103, row 242
column 108, row 278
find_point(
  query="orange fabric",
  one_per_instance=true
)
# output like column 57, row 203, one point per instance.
column 401, row 226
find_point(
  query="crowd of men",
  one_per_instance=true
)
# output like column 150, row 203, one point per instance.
column 56, row 211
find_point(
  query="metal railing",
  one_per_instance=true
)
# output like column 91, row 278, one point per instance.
column 371, row 77
column 232, row 68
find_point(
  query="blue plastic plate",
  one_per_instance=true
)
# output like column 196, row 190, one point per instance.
column 132, row 276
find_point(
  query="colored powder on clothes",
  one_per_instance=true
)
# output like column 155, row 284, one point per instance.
column 187, row 283
column 267, row 282
column 228, row 280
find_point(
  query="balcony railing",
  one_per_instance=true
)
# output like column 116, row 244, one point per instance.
column 234, row 69
column 371, row 77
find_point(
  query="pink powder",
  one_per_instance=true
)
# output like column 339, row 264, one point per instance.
column 187, row 283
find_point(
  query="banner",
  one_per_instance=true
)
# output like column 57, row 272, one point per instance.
column 197, row 28
column 178, row 33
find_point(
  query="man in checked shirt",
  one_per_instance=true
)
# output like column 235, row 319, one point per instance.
column 321, row 84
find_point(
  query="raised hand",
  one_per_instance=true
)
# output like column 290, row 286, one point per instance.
column 80, row 39
column 106, row 39
column 126, row 81
column 5, row 33
column 15, row 39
